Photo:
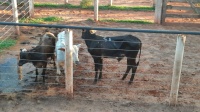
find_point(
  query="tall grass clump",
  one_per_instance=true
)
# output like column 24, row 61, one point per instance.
column 86, row 4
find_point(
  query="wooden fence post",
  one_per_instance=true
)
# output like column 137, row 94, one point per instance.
column 110, row 3
column 158, row 11
column 96, row 9
column 177, row 69
column 15, row 15
column 31, row 8
column 66, row 1
column 68, row 63
column 164, row 9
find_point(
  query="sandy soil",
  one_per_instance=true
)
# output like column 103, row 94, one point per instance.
column 149, row 92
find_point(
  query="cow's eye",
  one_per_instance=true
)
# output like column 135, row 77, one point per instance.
column 83, row 30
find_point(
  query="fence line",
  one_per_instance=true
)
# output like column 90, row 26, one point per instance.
column 104, row 28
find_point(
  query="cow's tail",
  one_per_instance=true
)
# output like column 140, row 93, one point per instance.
column 139, row 53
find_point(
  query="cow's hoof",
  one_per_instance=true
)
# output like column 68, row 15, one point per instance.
column 130, row 82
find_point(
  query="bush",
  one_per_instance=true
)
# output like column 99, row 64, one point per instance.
column 86, row 3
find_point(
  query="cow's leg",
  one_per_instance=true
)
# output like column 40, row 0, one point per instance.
column 43, row 71
column 128, row 68
column 36, row 77
column 53, row 57
column 58, row 67
column 96, row 64
column 100, row 68
column 134, row 68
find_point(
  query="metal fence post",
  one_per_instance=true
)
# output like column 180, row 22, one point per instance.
column 177, row 69
column 15, row 15
column 31, row 8
column 96, row 9
column 68, row 63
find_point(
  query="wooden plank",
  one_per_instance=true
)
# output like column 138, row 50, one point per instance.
column 181, row 24
column 179, row 8
column 183, row 1
column 183, row 16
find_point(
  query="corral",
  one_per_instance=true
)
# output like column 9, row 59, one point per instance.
column 149, row 92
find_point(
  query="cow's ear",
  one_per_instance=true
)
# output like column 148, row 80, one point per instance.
column 20, row 50
column 78, row 45
column 92, row 31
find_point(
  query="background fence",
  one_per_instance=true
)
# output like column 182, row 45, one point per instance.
column 180, row 11
column 6, row 15
column 13, row 11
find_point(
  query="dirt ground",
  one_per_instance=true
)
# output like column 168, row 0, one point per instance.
column 149, row 92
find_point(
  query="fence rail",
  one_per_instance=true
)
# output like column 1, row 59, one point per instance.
column 104, row 29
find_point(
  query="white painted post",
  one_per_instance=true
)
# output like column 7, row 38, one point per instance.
column 15, row 15
column 110, row 3
column 68, row 63
column 66, row 1
column 96, row 9
column 31, row 8
column 177, row 69
column 158, row 11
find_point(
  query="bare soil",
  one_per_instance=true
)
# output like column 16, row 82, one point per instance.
column 150, row 90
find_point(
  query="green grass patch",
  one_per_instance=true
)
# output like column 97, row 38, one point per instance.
column 125, row 8
column 41, row 20
column 51, row 5
column 107, row 7
column 124, row 21
column 4, row 44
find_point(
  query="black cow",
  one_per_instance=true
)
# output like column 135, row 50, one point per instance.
column 38, row 59
column 109, row 47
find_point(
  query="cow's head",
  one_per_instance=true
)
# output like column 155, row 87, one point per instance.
column 23, row 57
column 48, row 39
column 88, row 34
column 75, row 51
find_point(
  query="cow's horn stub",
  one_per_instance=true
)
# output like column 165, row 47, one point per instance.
column 92, row 31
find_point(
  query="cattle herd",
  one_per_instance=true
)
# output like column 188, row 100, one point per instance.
column 53, row 47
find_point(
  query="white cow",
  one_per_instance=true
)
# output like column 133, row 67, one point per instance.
column 60, row 53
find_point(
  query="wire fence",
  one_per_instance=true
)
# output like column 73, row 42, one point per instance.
column 152, row 79
column 7, row 15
